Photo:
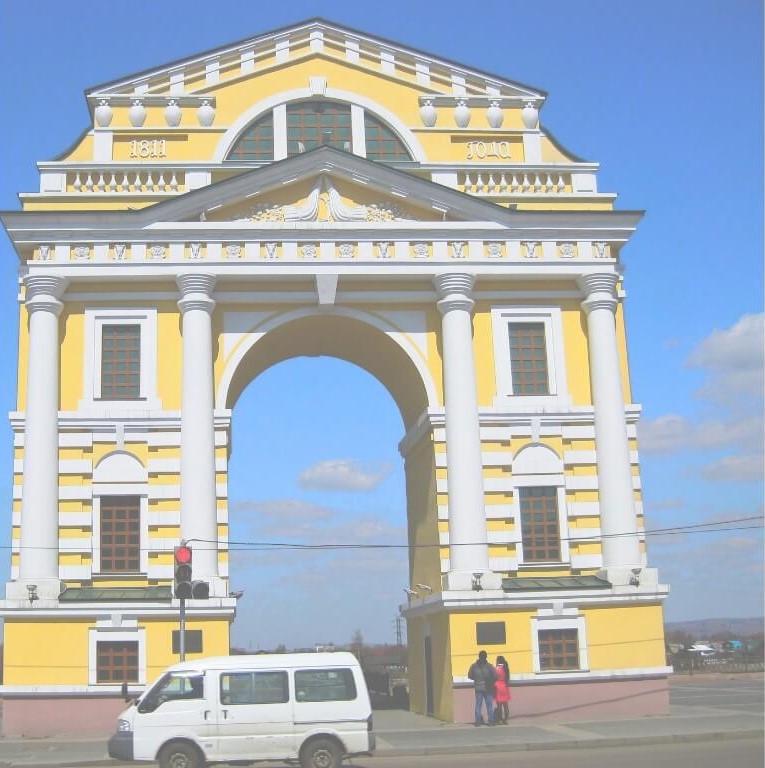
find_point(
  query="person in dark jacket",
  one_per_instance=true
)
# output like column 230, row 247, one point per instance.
column 483, row 676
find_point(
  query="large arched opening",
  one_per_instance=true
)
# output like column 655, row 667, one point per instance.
column 322, row 507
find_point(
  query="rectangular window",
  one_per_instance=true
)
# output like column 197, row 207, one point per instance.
column 528, row 359
column 540, row 528
column 120, row 534
column 253, row 688
column 121, row 362
column 490, row 633
column 558, row 649
column 325, row 685
column 116, row 662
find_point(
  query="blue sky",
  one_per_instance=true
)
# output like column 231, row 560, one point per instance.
column 665, row 94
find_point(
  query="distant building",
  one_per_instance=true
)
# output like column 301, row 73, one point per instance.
column 319, row 191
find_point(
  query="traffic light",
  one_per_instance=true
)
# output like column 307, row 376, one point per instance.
column 182, row 588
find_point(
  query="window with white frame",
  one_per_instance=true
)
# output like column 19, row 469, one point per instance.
column 120, row 357
column 541, row 511
column 559, row 643
column 120, row 514
column 117, row 654
column 540, row 525
column 120, row 534
column 528, row 356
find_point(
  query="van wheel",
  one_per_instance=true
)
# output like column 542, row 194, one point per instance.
column 321, row 753
column 179, row 754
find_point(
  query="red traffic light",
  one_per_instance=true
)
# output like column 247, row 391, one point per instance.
column 183, row 554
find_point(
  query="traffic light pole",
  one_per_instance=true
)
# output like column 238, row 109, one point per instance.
column 182, row 632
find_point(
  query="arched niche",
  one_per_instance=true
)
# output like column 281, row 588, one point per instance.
column 537, row 459
column 119, row 467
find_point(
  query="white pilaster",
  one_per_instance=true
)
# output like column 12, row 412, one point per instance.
column 468, row 550
column 621, row 548
column 198, row 492
column 38, row 561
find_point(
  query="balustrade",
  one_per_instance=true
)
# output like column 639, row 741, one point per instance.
column 520, row 181
column 134, row 180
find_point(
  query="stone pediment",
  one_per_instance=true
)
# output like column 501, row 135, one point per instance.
column 321, row 187
column 328, row 200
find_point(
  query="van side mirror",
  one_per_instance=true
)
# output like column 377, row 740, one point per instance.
column 124, row 691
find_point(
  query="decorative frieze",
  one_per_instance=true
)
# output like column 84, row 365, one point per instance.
column 436, row 251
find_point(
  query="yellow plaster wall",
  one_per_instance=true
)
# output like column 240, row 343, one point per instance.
column 625, row 637
column 45, row 653
column 517, row 650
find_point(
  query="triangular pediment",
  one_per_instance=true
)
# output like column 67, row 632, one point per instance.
column 206, row 71
column 325, row 186
column 327, row 189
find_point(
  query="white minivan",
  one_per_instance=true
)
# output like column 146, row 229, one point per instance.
column 311, row 707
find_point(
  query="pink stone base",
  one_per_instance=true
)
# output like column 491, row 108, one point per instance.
column 586, row 700
column 73, row 716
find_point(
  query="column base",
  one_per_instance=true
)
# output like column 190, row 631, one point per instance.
column 471, row 581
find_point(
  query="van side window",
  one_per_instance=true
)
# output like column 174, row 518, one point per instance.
column 253, row 688
column 324, row 685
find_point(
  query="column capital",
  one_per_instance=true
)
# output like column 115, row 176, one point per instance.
column 599, row 289
column 454, row 291
column 43, row 293
column 196, row 289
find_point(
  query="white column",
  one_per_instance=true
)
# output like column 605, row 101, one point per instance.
column 468, row 549
column 38, row 561
column 621, row 547
column 199, row 517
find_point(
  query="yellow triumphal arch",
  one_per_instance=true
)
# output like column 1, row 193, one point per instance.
column 319, row 191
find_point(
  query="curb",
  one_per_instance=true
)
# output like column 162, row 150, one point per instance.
column 601, row 743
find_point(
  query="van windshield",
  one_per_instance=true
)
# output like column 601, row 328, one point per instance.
column 173, row 686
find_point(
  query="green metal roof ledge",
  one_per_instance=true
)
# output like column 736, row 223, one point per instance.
column 112, row 594
column 529, row 584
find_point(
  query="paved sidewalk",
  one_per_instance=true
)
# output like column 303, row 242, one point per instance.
column 699, row 714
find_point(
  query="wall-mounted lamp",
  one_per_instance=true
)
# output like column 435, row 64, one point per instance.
column 635, row 578
column 32, row 590
column 424, row 587
column 410, row 593
column 477, row 586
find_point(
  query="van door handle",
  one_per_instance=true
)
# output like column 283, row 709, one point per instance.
column 225, row 714
column 207, row 712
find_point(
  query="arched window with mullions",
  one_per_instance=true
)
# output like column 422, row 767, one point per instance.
column 382, row 144
column 256, row 143
column 312, row 124
column 305, row 125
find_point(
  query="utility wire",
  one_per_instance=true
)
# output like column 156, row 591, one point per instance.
column 258, row 546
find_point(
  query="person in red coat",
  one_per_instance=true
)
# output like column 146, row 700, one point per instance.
column 502, row 691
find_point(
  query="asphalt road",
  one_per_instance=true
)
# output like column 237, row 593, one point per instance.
column 745, row 695
column 737, row 753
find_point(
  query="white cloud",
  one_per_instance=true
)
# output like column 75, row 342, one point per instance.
column 735, row 469
column 342, row 475
column 671, row 433
column 734, row 362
